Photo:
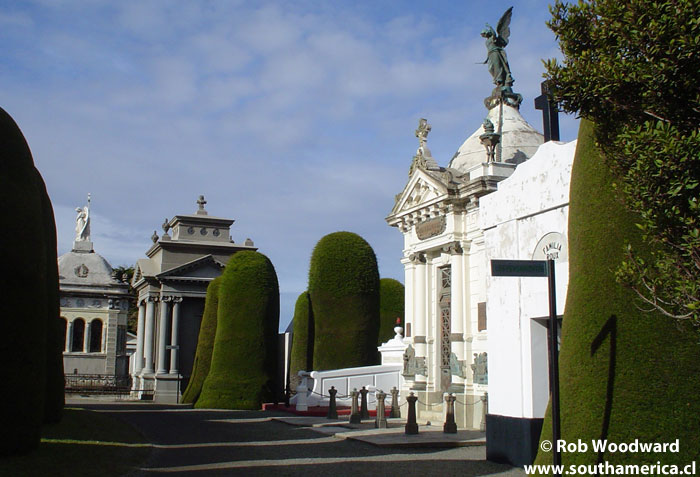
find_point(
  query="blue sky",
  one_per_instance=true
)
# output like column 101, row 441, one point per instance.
column 294, row 118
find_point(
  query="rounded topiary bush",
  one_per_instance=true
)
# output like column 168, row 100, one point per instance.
column 244, row 359
column 30, row 296
column 205, row 344
column 391, row 307
column 344, row 293
column 625, row 374
column 54, row 397
column 302, row 340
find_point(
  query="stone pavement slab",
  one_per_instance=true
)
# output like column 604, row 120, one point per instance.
column 393, row 436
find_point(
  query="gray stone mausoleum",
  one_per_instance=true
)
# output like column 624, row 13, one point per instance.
column 171, row 287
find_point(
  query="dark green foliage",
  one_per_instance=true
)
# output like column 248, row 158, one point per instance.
column 344, row 293
column 391, row 306
column 632, row 68
column 244, row 360
column 24, row 307
column 54, row 398
column 205, row 344
column 302, row 340
column 624, row 374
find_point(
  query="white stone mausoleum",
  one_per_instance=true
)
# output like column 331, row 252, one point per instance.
column 94, row 307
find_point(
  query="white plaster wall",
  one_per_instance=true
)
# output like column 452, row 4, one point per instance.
column 527, row 206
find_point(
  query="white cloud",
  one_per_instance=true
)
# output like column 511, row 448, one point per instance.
column 294, row 118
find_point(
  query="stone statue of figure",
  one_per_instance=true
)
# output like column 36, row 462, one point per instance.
column 82, row 223
column 497, row 60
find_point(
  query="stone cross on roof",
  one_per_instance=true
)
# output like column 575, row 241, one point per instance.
column 201, row 202
column 422, row 131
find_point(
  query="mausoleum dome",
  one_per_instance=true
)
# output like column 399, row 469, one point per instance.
column 519, row 141
column 84, row 268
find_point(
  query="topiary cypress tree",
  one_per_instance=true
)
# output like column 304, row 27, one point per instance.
column 244, row 359
column 54, row 399
column 344, row 292
column 24, row 308
column 205, row 344
column 302, row 355
column 391, row 306
column 625, row 374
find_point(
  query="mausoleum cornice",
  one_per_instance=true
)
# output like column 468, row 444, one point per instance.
column 196, row 246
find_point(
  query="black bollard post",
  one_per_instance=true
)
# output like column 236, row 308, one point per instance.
column 450, row 426
column 380, row 421
column 287, row 395
column 332, row 410
column 354, row 411
column 395, row 409
column 364, row 412
column 411, row 424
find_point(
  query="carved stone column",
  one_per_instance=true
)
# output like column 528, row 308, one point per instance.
column 86, row 336
column 69, row 337
column 174, row 344
column 409, row 272
column 457, row 310
column 419, row 309
column 103, row 347
column 148, row 335
column 163, row 333
column 140, row 326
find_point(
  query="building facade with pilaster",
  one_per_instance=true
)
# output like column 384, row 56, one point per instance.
column 94, row 308
column 171, row 287
column 446, row 325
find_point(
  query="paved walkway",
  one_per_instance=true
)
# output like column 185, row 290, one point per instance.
column 257, row 443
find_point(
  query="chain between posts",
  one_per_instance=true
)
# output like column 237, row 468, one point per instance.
column 370, row 400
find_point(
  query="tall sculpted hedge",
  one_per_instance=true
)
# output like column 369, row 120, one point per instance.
column 205, row 344
column 29, row 308
column 344, row 293
column 244, row 359
column 391, row 307
column 54, row 397
column 625, row 374
column 302, row 355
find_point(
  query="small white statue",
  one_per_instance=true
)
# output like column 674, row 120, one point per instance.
column 82, row 223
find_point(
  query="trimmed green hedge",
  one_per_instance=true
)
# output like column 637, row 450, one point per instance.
column 244, row 360
column 302, row 356
column 625, row 374
column 54, row 399
column 344, row 292
column 205, row 344
column 25, row 306
column 391, row 306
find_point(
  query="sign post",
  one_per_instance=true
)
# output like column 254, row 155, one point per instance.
column 541, row 268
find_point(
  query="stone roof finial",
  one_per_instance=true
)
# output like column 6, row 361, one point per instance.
column 423, row 158
column 422, row 132
column 201, row 203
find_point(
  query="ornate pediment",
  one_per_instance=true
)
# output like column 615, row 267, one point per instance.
column 421, row 189
column 203, row 267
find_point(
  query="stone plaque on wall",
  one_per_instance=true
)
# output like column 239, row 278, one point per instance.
column 551, row 246
column 431, row 228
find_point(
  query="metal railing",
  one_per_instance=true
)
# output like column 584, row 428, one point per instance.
column 97, row 384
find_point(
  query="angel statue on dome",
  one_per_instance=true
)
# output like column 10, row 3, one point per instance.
column 497, row 60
